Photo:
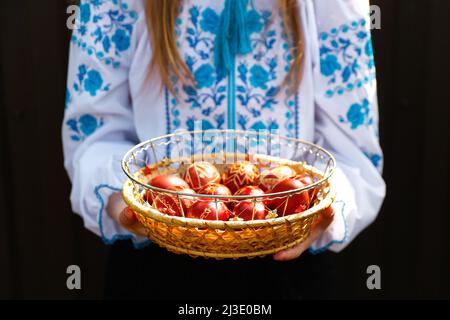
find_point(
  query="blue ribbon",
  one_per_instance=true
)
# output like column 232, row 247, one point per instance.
column 232, row 37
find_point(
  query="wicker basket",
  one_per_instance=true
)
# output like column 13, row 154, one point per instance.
column 226, row 239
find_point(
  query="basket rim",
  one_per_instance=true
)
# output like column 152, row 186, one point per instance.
column 325, row 176
column 152, row 213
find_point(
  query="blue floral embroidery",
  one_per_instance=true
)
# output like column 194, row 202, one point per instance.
column 68, row 98
column 247, row 94
column 204, row 76
column 85, row 13
column 209, row 93
column 195, row 36
column 346, row 57
column 104, row 30
column 209, row 21
column 329, row 65
column 121, row 40
column 89, row 80
column 291, row 124
column 259, row 77
column 270, row 124
column 93, row 82
column 254, row 23
column 262, row 40
column 374, row 158
column 357, row 115
column 206, row 124
column 84, row 126
column 255, row 85
column 291, row 102
column 258, row 84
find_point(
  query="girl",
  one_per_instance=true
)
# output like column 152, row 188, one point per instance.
column 143, row 68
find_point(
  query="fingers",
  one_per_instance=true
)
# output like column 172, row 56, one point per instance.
column 319, row 226
column 324, row 220
column 292, row 253
column 128, row 219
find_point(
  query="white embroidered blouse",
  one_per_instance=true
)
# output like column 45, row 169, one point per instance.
column 111, row 105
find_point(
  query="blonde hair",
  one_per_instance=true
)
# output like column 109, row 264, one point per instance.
column 166, row 59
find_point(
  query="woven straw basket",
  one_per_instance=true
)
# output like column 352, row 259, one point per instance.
column 226, row 239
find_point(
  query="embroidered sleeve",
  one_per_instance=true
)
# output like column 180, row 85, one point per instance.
column 347, row 116
column 98, row 122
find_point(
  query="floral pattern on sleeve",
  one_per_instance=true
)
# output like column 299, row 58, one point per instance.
column 104, row 29
column 90, row 81
column 346, row 57
column 358, row 115
column 82, row 127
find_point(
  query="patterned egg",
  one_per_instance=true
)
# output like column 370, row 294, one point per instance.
column 173, row 205
column 199, row 174
column 209, row 210
column 294, row 203
column 248, row 210
column 307, row 180
column 215, row 189
column 240, row 174
column 270, row 177
column 169, row 182
column 248, row 191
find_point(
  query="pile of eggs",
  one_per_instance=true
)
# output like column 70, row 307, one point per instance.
column 239, row 179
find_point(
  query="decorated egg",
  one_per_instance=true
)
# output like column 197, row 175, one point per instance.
column 307, row 180
column 270, row 177
column 173, row 205
column 290, row 204
column 240, row 174
column 248, row 191
column 215, row 189
column 209, row 210
column 199, row 174
column 169, row 182
column 248, row 210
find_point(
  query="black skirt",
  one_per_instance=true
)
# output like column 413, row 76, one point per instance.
column 154, row 273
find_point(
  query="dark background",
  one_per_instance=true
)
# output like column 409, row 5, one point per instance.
column 40, row 237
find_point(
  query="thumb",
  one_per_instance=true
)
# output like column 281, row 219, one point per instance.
column 127, row 218
column 324, row 219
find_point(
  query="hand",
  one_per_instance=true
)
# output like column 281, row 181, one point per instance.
column 319, row 226
column 123, row 215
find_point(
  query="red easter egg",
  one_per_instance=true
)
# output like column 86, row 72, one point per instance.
column 148, row 197
column 240, row 174
column 199, row 174
column 215, row 189
column 248, row 210
column 307, row 180
column 169, row 182
column 293, row 203
column 173, row 205
column 209, row 210
column 270, row 177
column 248, row 191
